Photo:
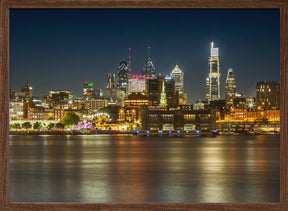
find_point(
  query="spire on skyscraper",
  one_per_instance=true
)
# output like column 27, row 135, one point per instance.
column 149, row 69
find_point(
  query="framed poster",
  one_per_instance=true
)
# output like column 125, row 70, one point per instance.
column 143, row 105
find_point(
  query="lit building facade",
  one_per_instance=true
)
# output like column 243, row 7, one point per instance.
column 230, row 88
column 123, row 75
column 111, row 81
column 87, row 90
column 178, row 76
column 268, row 95
column 132, row 110
column 136, row 84
column 94, row 105
column 60, row 96
column 16, row 109
column 181, row 117
column 213, row 79
column 154, row 89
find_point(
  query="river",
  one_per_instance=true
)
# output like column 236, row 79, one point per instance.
column 93, row 168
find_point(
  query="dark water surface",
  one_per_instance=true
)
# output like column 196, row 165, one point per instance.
column 144, row 169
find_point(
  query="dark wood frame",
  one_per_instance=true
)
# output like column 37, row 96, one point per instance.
column 5, row 5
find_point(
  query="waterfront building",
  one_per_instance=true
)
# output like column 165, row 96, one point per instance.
column 132, row 110
column 16, row 110
column 136, row 84
column 268, row 95
column 219, row 107
column 179, row 118
column 149, row 69
column 41, row 115
column 123, row 75
column 230, row 88
column 213, row 79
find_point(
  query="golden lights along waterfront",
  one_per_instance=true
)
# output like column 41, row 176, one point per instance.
column 149, row 104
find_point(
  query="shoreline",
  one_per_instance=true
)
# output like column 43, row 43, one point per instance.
column 130, row 133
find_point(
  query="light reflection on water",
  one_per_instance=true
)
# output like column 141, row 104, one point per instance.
column 144, row 169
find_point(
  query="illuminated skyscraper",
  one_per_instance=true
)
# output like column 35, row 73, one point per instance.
column 177, row 75
column 123, row 75
column 111, row 81
column 149, row 69
column 87, row 89
column 230, row 88
column 213, row 80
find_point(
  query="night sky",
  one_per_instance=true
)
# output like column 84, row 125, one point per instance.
column 62, row 48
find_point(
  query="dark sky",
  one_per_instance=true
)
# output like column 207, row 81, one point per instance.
column 62, row 48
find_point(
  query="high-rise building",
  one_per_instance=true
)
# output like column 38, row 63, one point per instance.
column 97, row 93
column 87, row 89
column 112, row 92
column 172, row 95
column 111, row 81
column 154, row 89
column 123, row 75
column 149, row 69
column 268, row 95
column 213, row 79
column 27, row 90
column 230, row 88
column 178, row 76
column 136, row 83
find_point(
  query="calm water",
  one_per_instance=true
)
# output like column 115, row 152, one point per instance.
column 144, row 169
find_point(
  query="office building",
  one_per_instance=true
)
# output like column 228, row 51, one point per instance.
column 230, row 88
column 213, row 79
column 268, row 95
column 123, row 75
column 149, row 70
column 136, row 84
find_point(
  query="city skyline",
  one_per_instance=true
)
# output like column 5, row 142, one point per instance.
column 31, row 58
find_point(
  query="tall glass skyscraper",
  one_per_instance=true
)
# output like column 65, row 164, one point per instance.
column 213, row 79
column 123, row 75
column 149, row 68
column 230, row 88
column 177, row 75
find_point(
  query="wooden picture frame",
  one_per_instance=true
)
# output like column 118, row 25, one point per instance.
column 5, row 5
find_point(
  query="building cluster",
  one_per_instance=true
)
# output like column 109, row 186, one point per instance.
column 154, row 101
